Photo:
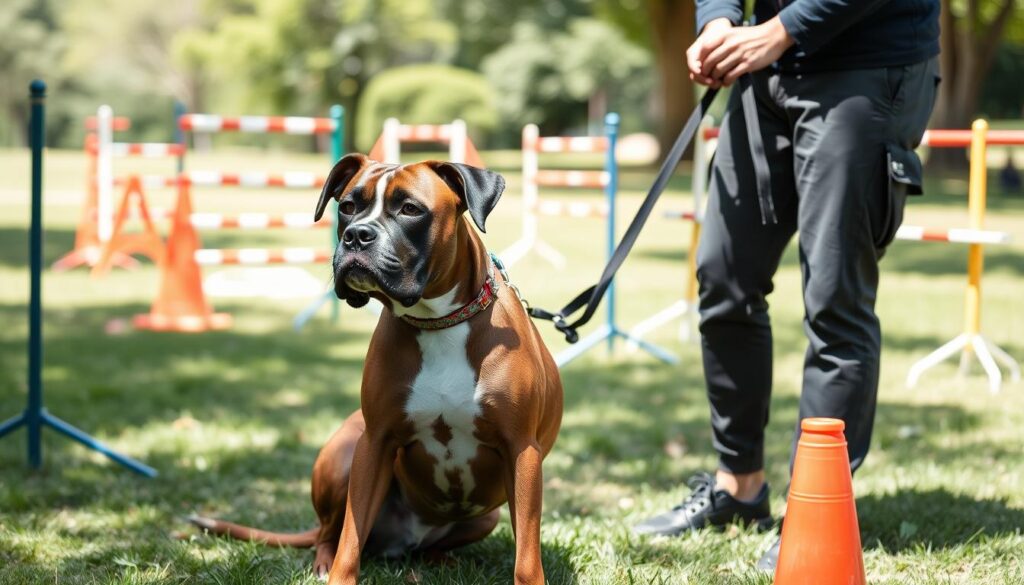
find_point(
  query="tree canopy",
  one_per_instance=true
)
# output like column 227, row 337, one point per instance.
column 559, row 63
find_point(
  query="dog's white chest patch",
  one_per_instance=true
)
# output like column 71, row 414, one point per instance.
column 443, row 405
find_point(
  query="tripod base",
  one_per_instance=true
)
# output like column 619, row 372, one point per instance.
column 34, row 423
column 90, row 256
column 307, row 313
column 610, row 333
column 524, row 246
column 967, row 343
column 680, row 309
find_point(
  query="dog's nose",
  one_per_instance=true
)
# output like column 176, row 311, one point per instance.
column 359, row 236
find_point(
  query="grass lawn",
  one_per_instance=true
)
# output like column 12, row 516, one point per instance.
column 233, row 420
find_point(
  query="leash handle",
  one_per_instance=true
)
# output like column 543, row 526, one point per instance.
column 591, row 297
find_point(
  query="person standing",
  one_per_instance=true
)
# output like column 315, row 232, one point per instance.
column 843, row 90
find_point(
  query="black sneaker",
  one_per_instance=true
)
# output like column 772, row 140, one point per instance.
column 706, row 506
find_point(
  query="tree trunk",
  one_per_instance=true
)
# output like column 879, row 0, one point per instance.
column 968, row 51
column 673, row 23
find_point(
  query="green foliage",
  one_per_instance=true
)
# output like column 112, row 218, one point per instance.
column 548, row 78
column 1003, row 93
column 29, row 49
column 426, row 94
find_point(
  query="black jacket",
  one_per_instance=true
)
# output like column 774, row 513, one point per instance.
column 842, row 34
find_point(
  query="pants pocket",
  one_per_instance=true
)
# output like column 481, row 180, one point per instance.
column 903, row 173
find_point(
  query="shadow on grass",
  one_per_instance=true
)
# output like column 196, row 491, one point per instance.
column 14, row 245
column 932, row 519
column 490, row 561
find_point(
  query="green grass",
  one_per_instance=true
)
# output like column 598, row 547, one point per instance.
column 233, row 420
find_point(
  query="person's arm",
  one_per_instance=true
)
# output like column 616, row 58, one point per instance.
column 708, row 10
column 812, row 23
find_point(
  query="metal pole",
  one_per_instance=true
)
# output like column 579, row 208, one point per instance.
column 976, row 211
column 337, row 151
column 179, row 136
column 33, row 415
column 105, row 172
column 611, row 130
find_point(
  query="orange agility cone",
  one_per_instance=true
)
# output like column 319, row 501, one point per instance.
column 180, row 304
column 147, row 242
column 820, row 537
column 88, row 247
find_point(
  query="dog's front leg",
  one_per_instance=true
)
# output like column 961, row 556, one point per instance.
column 524, row 485
column 369, row 481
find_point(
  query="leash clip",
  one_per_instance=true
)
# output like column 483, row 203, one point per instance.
column 571, row 335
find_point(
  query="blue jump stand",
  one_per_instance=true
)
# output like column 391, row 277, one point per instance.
column 337, row 150
column 35, row 416
column 609, row 330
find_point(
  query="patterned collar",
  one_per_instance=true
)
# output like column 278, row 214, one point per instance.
column 488, row 292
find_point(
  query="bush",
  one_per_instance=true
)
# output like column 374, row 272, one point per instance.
column 426, row 94
column 556, row 79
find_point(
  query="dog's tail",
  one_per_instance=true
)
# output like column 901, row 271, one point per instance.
column 298, row 540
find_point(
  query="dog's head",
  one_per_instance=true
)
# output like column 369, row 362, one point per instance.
column 399, row 225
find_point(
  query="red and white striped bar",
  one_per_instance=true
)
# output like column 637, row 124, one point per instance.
column 425, row 133
column 572, row 144
column 256, row 124
column 571, row 209
column 586, row 179
column 294, row 180
column 119, row 123
column 947, row 138
column 256, row 221
column 141, row 149
column 683, row 215
column 214, row 257
column 955, row 235
column 962, row 138
column 150, row 181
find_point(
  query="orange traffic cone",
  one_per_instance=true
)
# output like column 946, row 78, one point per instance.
column 820, row 537
column 180, row 304
column 88, row 247
column 377, row 152
column 473, row 158
column 146, row 242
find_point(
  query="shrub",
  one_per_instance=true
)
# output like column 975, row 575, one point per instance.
column 426, row 94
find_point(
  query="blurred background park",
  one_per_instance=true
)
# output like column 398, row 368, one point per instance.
column 233, row 419
column 499, row 65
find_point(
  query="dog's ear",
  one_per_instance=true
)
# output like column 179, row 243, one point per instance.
column 478, row 189
column 339, row 177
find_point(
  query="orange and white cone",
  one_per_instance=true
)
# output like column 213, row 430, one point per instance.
column 180, row 304
column 88, row 247
column 147, row 242
column 820, row 536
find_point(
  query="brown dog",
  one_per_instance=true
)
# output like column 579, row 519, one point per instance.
column 460, row 398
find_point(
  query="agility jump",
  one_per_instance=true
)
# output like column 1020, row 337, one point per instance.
column 181, row 304
column 96, row 220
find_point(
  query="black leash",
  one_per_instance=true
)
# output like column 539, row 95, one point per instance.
column 591, row 297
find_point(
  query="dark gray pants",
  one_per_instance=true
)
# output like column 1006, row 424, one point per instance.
column 840, row 148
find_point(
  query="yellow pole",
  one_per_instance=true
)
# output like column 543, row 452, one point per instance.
column 976, row 209
column 691, row 266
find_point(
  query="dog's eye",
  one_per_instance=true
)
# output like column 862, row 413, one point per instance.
column 411, row 210
column 347, row 207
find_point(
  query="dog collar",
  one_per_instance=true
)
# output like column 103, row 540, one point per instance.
column 488, row 292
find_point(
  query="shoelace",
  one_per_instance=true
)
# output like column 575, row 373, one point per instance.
column 702, row 487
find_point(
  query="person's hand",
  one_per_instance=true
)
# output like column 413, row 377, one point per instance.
column 744, row 49
column 709, row 39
